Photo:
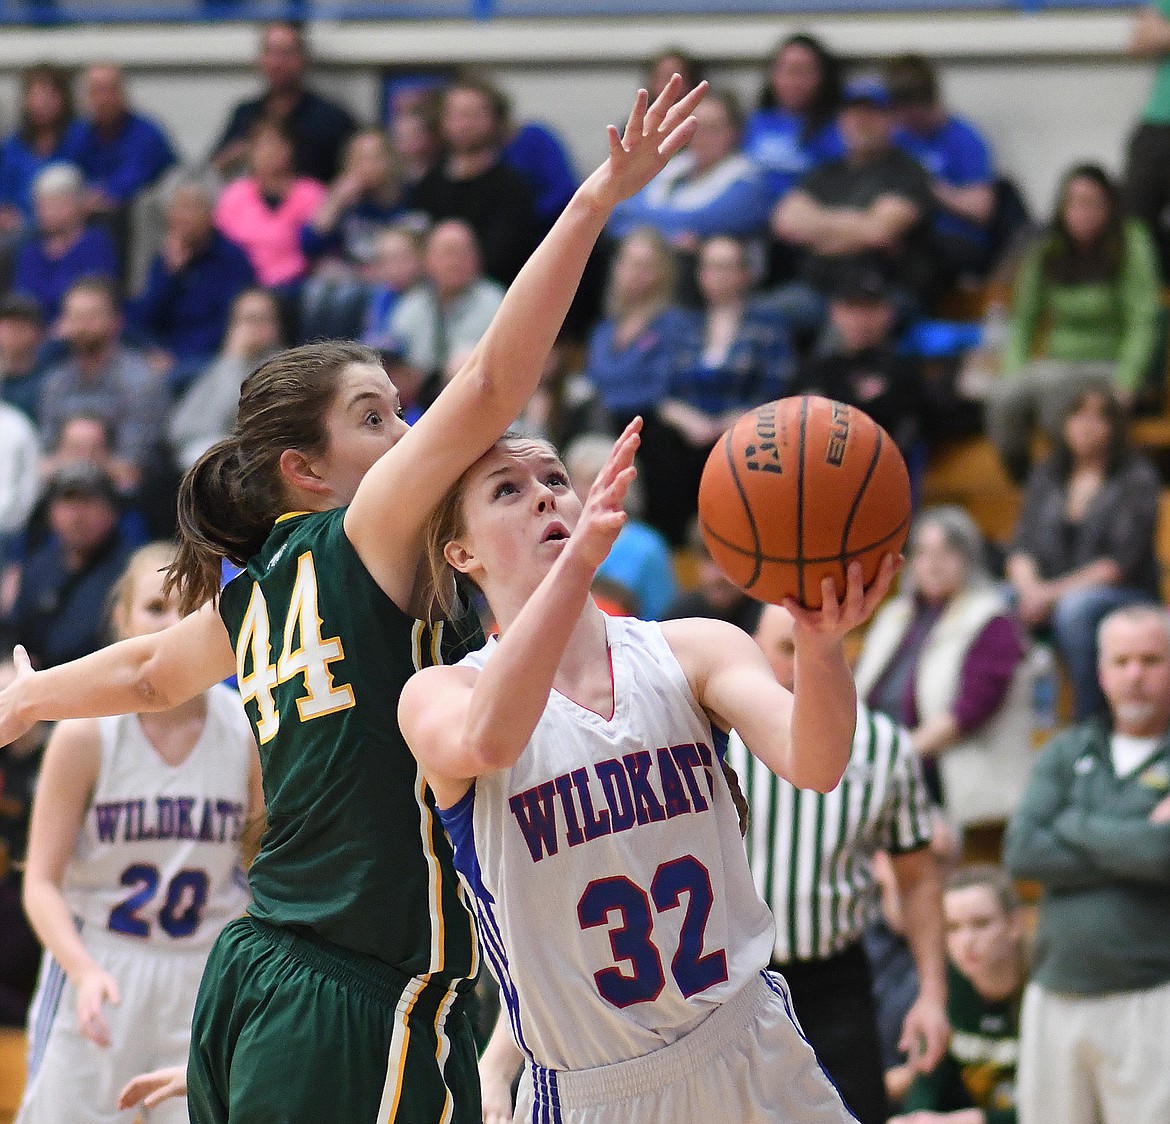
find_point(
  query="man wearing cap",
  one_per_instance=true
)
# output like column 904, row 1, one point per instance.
column 22, row 352
column 59, row 614
column 870, row 207
column 864, row 368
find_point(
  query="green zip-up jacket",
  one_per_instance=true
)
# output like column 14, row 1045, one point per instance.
column 1085, row 834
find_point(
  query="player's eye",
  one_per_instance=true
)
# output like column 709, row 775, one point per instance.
column 400, row 412
column 373, row 418
column 504, row 488
column 156, row 606
column 558, row 479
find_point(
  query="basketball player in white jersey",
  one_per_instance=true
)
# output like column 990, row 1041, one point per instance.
column 573, row 765
column 134, row 866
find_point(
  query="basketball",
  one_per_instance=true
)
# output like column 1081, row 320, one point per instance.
column 797, row 489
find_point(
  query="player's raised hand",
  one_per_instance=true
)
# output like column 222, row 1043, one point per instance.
column 837, row 617
column 604, row 514
column 150, row 1089
column 653, row 134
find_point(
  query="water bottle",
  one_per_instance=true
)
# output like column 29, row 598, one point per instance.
column 1045, row 689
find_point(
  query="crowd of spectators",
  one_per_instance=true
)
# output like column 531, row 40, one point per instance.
column 810, row 243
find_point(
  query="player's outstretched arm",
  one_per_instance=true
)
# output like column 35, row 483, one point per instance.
column 461, row 724
column 150, row 1089
column 804, row 736
column 503, row 370
column 134, row 676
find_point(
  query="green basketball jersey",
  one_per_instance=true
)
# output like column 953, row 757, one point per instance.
column 354, row 850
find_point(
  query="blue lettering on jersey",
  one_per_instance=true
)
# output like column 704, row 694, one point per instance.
column 641, row 788
column 170, row 817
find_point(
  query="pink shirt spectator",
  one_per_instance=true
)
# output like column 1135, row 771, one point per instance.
column 270, row 238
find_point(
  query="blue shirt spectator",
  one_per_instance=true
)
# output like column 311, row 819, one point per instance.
column 775, row 140
column 712, row 188
column 23, row 359
column 184, row 311
column 539, row 155
column 19, row 165
column 47, row 276
column 794, row 128
column 633, row 377
column 956, row 154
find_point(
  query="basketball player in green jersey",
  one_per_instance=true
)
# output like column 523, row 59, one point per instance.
column 339, row 997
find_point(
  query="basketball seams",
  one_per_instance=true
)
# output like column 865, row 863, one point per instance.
column 800, row 501
column 747, row 507
column 813, row 561
column 857, row 497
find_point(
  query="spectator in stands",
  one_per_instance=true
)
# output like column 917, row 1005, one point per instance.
column 63, row 249
column 668, row 62
column 732, row 354
column 20, row 762
column 794, row 129
column 121, row 152
column 181, row 314
column 870, row 207
column 59, row 613
column 46, row 134
column 945, row 660
column 808, row 848
column 1147, row 172
column 442, row 318
column 713, row 594
column 20, row 479
column 639, row 560
column 264, row 211
column 1093, row 830
column 320, row 129
column 397, row 265
column 565, row 405
column 473, row 183
column 418, row 139
column 710, row 188
column 956, row 158
column 1085, row 306
column 1084, row 540
column 341, row 238
column 631, row 356
column 986, row 972
column 207, row 410
column 22, row 352
column 102, row 377
column 534, row 149
column 864, row 366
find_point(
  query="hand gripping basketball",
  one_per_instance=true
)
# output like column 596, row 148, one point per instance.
column 797, row 489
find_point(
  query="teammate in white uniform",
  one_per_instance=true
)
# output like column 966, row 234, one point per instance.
column 574, row 768
column 134, row 866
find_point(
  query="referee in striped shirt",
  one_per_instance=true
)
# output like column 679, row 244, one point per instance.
column 811, row 857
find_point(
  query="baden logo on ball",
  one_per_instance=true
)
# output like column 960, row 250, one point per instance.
column 797, row 489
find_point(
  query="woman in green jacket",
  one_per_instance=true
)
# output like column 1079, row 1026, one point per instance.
column 1085, row 305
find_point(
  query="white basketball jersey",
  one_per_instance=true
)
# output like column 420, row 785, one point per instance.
column 613, row 895
column 158, row 857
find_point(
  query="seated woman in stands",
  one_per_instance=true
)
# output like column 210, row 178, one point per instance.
column 1085, row 305
column 945, row 659
column 1084, row 542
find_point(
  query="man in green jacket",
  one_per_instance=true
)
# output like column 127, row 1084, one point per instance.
column 1093, row 829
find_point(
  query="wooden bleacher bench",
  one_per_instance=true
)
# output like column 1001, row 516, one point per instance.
column 13, row 1053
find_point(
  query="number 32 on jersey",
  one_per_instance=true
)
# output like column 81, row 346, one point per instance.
column 310, row 657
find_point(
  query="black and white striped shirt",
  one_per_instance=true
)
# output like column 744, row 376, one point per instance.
column 811, row 853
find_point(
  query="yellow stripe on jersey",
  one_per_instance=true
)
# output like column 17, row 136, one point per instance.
column 290, row 515
column 437, row 644
column 399, row 1045
column 435, row 880
column 443, row 1049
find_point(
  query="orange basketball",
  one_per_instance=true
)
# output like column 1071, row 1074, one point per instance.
column 795, row 491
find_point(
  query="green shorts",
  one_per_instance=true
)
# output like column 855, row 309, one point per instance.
column 289, row 1028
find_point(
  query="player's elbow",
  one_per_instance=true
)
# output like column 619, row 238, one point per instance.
column 147, row 682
